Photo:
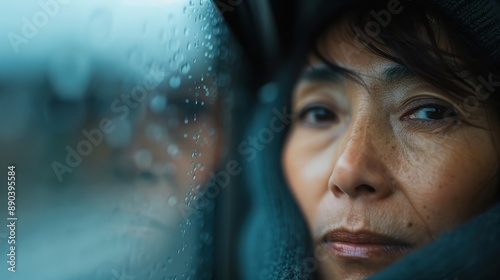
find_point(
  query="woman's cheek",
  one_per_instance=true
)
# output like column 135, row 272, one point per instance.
column 451, row 186
column 307, row 170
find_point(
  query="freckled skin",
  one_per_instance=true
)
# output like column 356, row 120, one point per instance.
column 371, row 169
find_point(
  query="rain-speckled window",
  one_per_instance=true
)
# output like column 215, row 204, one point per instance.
column 113, row 121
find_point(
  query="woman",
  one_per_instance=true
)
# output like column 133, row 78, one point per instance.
column 392, row 145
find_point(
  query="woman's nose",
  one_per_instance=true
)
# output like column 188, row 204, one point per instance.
column 359, row 171
column 137, row 160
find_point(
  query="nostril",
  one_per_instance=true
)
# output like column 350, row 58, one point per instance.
column 365, row 188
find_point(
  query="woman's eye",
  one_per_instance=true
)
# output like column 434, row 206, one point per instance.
column 317, row 116
column 431, row 113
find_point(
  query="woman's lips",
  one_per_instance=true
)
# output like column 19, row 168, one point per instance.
column 364, row 245
column 140, row 224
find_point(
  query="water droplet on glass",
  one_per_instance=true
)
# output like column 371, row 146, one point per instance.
column 172, row 201
column 186, row 120
column 173, row 64
column 179, row 57
column 158, row 103
column 143, row 158
column 155, row 132
column 185, row 68
column 173, row 149
column 175, row 81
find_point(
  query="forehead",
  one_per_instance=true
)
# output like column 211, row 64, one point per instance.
column 343, row 48
column 346, row 41
column 340, row 48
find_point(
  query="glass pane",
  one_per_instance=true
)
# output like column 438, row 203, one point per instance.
column 114, row 115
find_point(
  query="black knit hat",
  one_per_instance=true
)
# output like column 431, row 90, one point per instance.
column 480, row 19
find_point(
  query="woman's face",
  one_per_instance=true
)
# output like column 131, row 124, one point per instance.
column 148, row 187
column 383, row 164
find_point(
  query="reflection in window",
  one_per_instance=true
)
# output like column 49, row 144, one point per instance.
column 115, row 115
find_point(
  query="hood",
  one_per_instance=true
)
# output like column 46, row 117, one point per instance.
column 274, row 240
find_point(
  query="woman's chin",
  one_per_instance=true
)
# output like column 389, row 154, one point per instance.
column 353, row 269
column 357, row 273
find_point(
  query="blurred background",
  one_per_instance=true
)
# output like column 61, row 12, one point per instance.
column 117, row 116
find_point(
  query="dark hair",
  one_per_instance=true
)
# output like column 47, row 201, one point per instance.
column 414, row 38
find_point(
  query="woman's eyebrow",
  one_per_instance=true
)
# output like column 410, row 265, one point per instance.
column 396, row 73
column 392, row 73
column 323, row 73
